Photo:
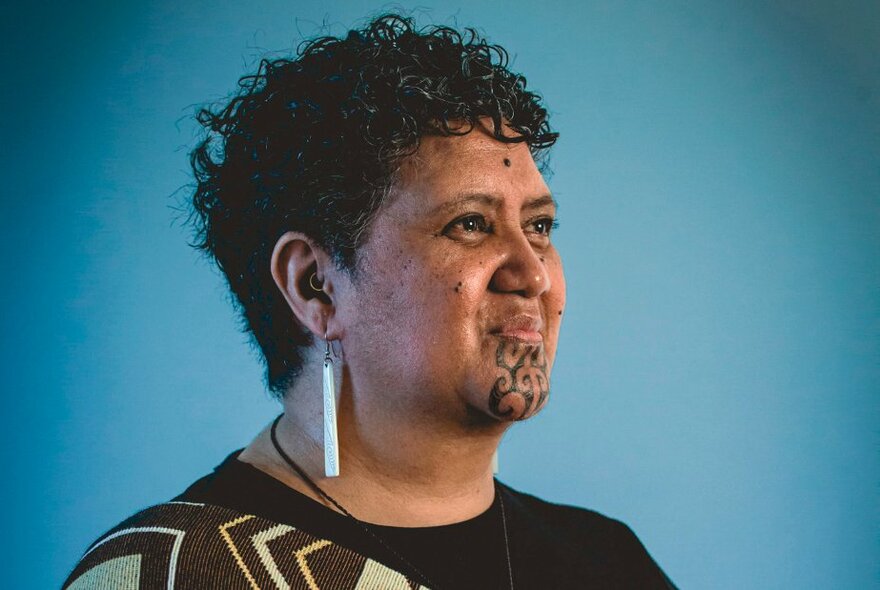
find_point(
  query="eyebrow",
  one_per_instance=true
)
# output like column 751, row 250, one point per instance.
column 491, row 200
column 542, row 201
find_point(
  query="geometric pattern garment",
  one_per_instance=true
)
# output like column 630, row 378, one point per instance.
column 183, row 545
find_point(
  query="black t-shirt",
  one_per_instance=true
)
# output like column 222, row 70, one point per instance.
column 550, row 545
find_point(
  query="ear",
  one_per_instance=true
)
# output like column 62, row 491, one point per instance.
column 298, row 267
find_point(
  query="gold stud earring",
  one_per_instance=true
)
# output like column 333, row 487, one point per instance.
column 314, row 278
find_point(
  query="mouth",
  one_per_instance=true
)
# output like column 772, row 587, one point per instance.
column 520, row 328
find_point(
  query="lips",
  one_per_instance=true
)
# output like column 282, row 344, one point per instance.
column 521, row 327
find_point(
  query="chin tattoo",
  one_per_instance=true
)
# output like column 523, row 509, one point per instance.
column 522, row 386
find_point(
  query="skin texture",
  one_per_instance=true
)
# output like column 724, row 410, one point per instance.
column 447, row 333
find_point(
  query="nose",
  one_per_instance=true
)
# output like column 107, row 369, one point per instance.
column 522, row 270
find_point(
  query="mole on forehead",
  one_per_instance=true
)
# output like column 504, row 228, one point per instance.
column 507, row 162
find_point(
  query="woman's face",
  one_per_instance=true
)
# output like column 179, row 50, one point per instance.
column 459, row 291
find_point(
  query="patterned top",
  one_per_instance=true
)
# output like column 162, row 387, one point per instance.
column 239, row 527
column 185, row 545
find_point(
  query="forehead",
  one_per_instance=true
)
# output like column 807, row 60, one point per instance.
column 446, row 167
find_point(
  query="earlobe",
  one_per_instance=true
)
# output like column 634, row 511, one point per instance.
column 298, row 267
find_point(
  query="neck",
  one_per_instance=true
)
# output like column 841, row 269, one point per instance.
column 394, row 472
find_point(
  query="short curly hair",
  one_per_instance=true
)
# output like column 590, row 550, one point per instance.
column 311, row 143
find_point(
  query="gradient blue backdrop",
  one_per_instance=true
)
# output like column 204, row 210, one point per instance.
column 719, row 174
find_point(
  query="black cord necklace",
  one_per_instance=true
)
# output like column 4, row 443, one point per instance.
column 366, row 527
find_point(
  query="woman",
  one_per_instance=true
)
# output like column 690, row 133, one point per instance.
column 377, row 209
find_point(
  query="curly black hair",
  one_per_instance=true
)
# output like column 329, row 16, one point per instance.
column 312, row 143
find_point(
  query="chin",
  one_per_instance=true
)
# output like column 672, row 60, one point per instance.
column 522, row 380
column 514, row 407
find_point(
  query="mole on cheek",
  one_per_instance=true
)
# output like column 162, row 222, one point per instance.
column 458, row 287
column 507, row 162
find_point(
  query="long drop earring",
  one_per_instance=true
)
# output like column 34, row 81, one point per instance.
column 331, row 439
column 495, row 462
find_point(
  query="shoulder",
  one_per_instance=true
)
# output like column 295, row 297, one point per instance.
column 561, row 518
column 189, row 545
column 152, row 547
column 582, row 543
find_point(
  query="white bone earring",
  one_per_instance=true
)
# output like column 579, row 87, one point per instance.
column 331, row 439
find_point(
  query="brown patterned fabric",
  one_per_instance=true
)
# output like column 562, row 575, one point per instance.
column 185, row 545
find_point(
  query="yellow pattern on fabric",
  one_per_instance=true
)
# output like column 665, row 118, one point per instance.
column 303, row 564
column 234, row 550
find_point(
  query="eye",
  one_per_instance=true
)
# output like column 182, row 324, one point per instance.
column 467, row 226
column 544, row 225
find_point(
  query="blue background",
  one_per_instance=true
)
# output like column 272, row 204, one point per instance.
column 717, row 383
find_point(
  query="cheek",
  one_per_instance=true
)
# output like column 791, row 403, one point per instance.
column 450, row 300
column 458, row 281
column 558, row 289
column 380, row 307
column 554, row 305
column 436, row 325
column 557, row 280
column 427, row 302
column 466, row 288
